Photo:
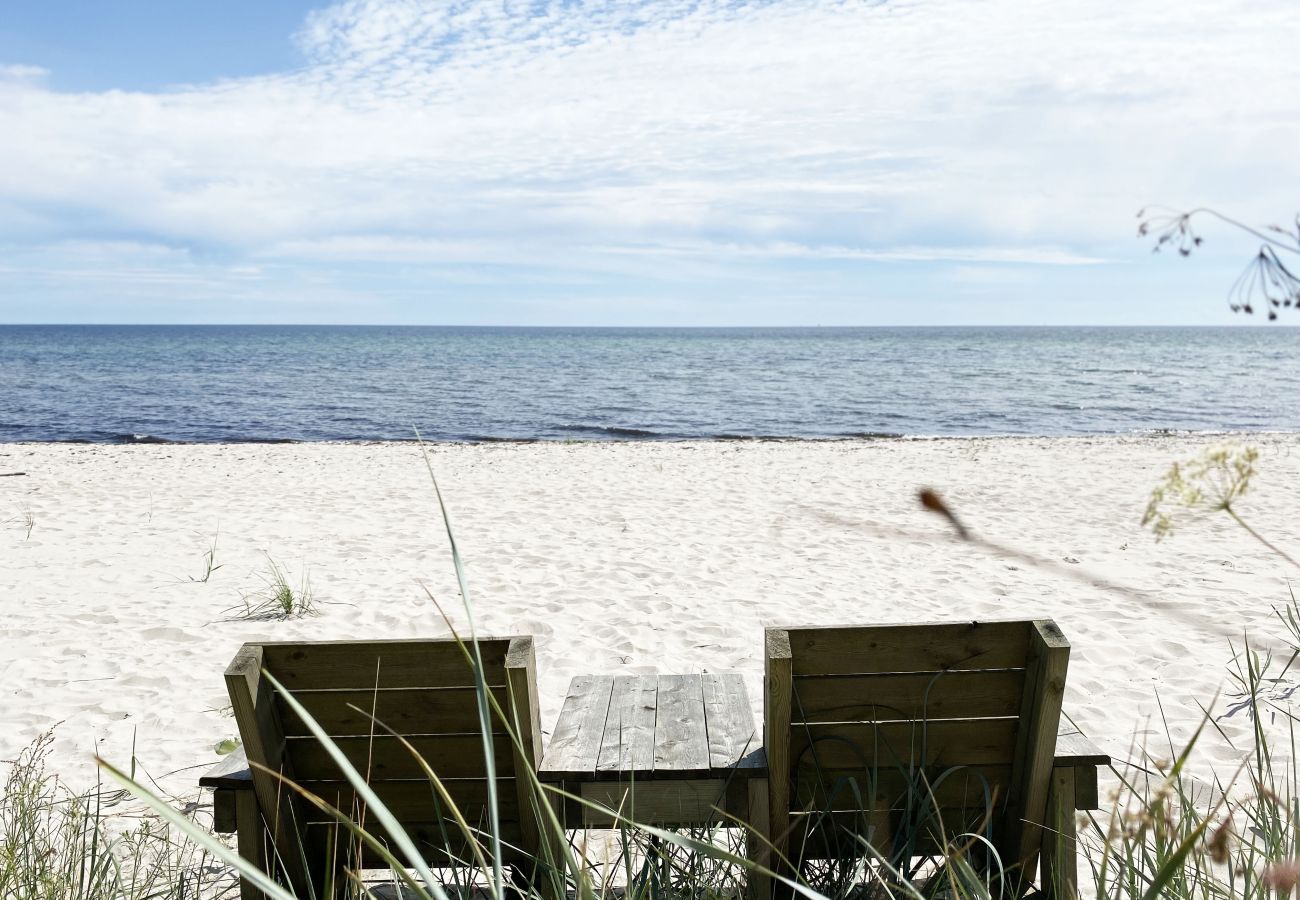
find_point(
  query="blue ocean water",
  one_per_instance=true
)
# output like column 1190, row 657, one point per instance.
column 269, row 383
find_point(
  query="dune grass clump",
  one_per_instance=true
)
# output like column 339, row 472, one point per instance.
column 56, row 843
column 279, row 598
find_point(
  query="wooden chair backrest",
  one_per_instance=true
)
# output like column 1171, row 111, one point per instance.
column 857, row 716
column 424, row 690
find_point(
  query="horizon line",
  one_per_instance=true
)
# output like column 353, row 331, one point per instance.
column 1262, row 323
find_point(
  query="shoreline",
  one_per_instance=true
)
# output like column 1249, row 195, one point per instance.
column 619, row 556
column 620, row 436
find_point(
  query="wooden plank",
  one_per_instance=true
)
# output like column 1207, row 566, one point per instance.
column 681, row 739
column 896, row 696
column 416, row 800
column 1060, row 879
column 263, row 743
column 628, row 742
column 521, row 702
column 840, row 835
column 729, row 721
column 1072, row 748
column 1085, row 787
column 231, row 773
column 384, row 758
column 843, row 789
column 574, row 749
column 405, row 710
column 224, row 810
column 526, row 746
column 251, row 835
column 676, row 802
column 391, row 664
column 836, row 835
column 777, row 682
column 948, row 742
column 908, row 648
column 1049, row 659
column 433, row 839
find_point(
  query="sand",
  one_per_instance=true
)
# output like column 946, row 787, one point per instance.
column 620, row 558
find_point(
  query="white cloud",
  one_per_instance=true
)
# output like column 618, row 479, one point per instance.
column 586, row 134
column 15, row 72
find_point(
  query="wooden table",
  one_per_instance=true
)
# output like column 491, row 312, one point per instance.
column 670, row 750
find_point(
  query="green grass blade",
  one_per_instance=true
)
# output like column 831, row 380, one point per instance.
column 381, row 812
column 198, row 835
column 485, row 716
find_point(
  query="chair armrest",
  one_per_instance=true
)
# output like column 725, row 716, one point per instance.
column 231, row 773
column 1075, row 752
column 229, row 779
column 1073, row 749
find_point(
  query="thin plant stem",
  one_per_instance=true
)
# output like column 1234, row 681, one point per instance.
column 1259, row 537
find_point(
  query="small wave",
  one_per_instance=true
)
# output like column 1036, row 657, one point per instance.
column 614, row 431
column 236, row 439
column 724, row 436
column 116, row 437
column 874, row 435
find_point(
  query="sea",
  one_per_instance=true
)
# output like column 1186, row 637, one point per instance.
column 140, row 384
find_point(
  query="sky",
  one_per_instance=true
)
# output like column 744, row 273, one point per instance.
column 691, row 162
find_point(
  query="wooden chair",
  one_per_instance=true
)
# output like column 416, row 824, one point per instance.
column 423, row 690
column 912, row 735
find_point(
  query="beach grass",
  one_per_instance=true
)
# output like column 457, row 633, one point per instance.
column 210, row 564
column 26, row 520
column 56, row 843
column 278, row 598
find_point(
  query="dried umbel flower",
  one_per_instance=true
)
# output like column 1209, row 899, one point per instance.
column 1210, row 483
column 1282, row 876
column 1267, row 277
column 931, row 500
column 1220, row 843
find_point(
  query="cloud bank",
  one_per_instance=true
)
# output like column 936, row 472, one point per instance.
column 640, row 150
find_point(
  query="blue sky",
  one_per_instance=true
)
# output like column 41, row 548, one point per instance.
column 563, row 162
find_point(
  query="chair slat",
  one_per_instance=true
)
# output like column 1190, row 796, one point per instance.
column 908, row 648
column 847, row 789
column 392, row 664
column 450, row 756
column 429, row 838
column 404, row 710
column 949, row 742
column 415, row 800
column 940, row 695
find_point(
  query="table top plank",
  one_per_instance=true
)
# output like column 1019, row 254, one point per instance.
column 628, row 743
column 681, row 738
column 729, row 721
column 575, row 744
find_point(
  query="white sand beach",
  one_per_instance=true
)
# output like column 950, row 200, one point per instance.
column 620, row 558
